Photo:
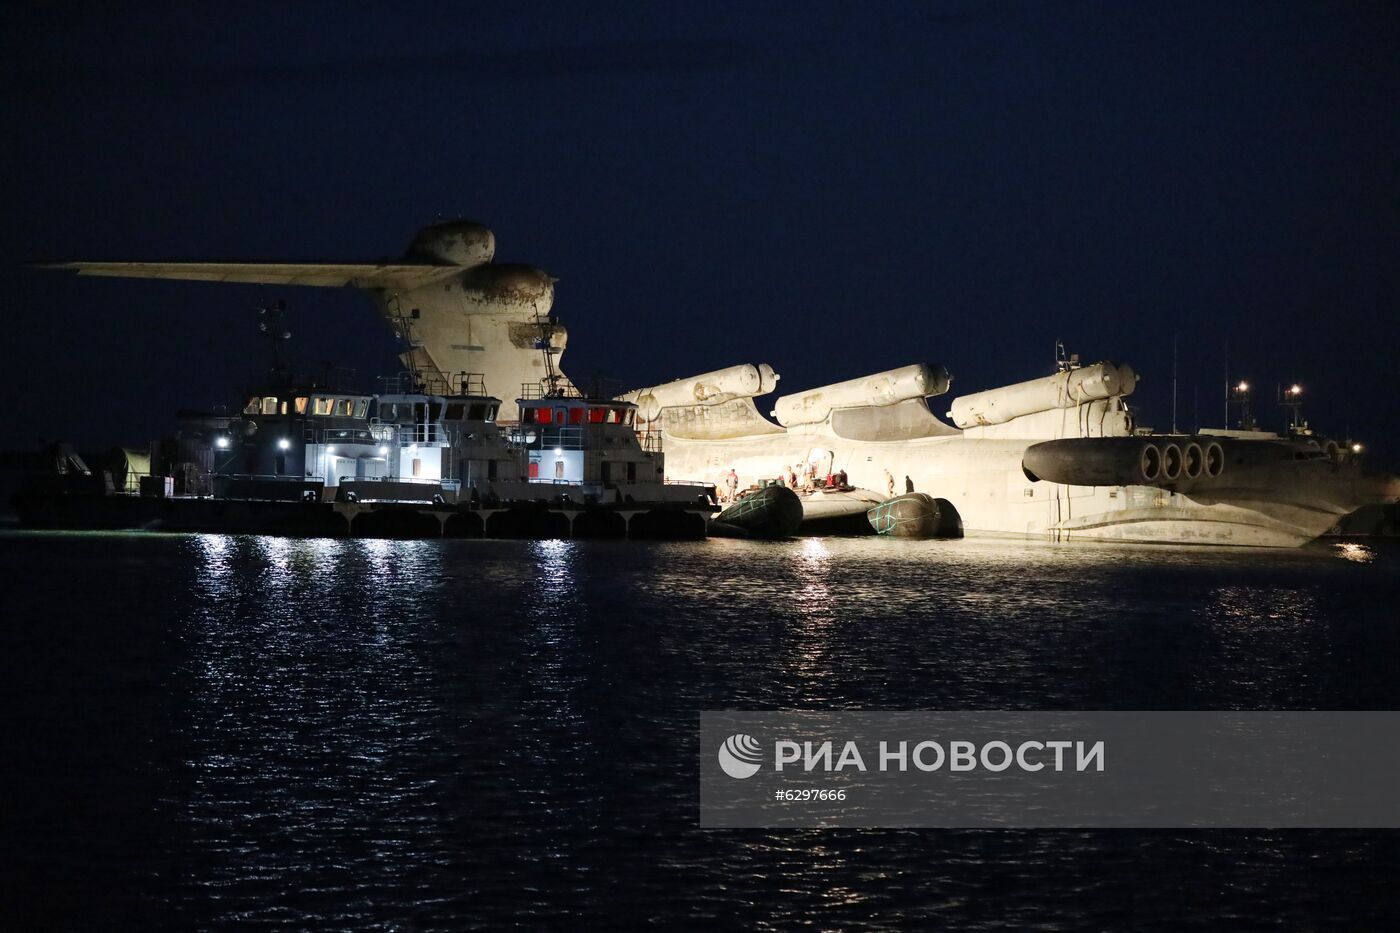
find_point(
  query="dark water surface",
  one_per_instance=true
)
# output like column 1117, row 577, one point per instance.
column 199, row 730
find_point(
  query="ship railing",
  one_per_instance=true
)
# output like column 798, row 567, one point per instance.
column 530, row 391
column 547, row 437
column 412, row 384
column 429, row 432
column 448, row 485
column 469, row 383
column 321, row 435
column 458, row 383
column 382, row 431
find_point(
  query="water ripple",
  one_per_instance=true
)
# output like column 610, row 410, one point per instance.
column 450, row 735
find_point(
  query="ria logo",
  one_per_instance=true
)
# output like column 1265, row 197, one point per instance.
column 740, row 756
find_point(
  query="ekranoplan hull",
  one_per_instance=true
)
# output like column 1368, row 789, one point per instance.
column 1056, row 457
column 985, row 482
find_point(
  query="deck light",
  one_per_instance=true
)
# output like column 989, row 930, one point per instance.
column 558, row 451
column 383, row 451
column 1242, row 387
column 221, row 443
column 330, row 449
column 1296, row 389
column 1356, row 448
column 283, row 444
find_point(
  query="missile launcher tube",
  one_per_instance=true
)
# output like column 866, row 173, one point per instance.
column 886, row 388
column 1062, row 390
column 722, row 385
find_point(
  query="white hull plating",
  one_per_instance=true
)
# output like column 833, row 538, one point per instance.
column 1283, row 503
column 984, row 482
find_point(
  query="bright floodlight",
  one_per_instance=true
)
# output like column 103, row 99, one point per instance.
column 1297, row 389
column 558, row 451
column 383, row 451
column 1242, row 387
column 330, row 449
column 283, row 444
column 1356, row 448
column 221, row 443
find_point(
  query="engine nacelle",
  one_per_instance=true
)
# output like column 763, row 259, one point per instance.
column 1125, row 461
column 1062, row 390
column 454, row 243
column 507, row 287
column 880, row 389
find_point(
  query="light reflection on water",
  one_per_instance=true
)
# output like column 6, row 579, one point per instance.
column 1360, row 553
column 365, row 733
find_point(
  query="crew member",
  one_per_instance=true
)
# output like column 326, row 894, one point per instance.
column 731, row 484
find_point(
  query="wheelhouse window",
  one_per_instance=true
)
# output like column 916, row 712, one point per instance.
column 596, row 415
column 323, row 406
column 361, row 407
column 576, row 415
column 269, row 405
column 253, row 407
column 300, row 405
column 345, row 407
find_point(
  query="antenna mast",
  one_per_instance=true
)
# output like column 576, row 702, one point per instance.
column 271, row 326
column 544, row 343
column 1173, row 383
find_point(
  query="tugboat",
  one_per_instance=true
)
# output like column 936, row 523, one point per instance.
column 416, row 460
column 585, row 456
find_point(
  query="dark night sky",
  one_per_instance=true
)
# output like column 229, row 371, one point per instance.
column 834, row 191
